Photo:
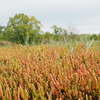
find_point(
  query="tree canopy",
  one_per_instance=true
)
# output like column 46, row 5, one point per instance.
column 22, row 28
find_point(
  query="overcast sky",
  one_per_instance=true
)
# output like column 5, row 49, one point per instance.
column 84, row 15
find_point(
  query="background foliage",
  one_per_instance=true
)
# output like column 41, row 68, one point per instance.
column 22, row 29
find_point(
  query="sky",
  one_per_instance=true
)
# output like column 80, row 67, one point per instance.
column 83, row 15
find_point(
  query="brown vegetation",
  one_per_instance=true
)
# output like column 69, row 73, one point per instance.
column 6, row 43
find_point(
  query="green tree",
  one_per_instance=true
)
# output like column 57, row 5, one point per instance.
column 58, row 30
column 48, row 35
column 2, row 28
column 98, row 36
column 59, row 33
column 93, row 36
column 22, row 29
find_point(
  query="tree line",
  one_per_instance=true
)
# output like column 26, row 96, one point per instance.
column 22, row 29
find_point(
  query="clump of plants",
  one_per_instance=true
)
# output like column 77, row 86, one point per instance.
column 6, row 43
column 49, row 73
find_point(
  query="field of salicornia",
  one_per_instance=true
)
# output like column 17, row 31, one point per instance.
column 49, row 73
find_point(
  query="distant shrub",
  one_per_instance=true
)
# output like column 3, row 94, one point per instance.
column 6, row 43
